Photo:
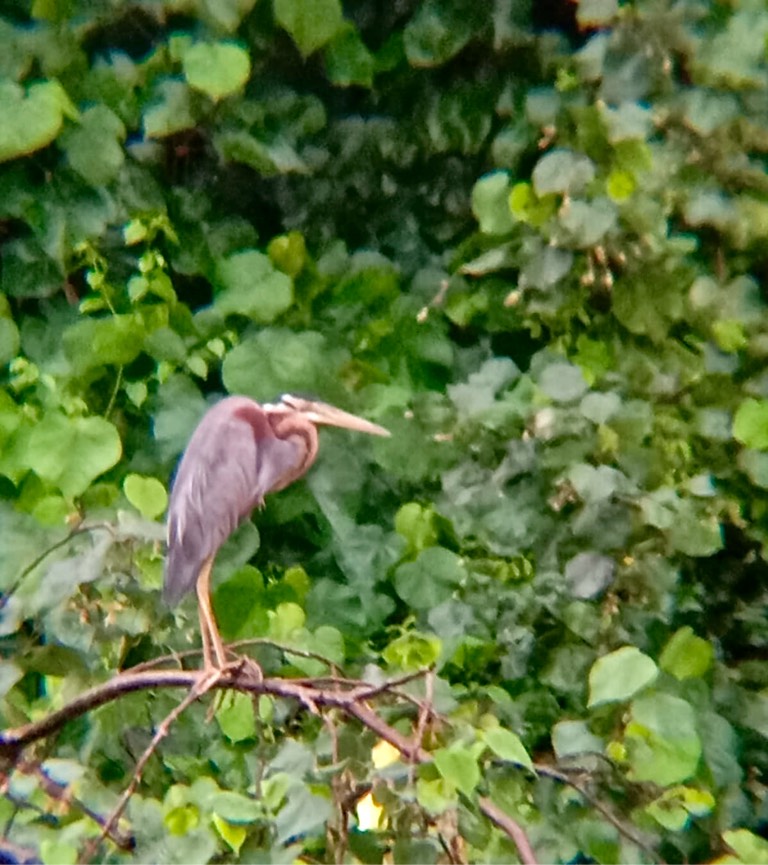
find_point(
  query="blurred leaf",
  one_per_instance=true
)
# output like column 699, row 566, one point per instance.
column 562, row 171
column 277, row 361
column 458, row 765
column 72, row 452
column 562, row 382
column 507, row 745
column 180, row 407
column 147, row 495
column 661, row 737
column 9, row 340
column 93, row 342
column 217, row 69
column 686, row 655
column 571, row 738
column 170, row 110
column 438, row 31
column 430, row 579
column 234, row 807
column 750, row 424
column 249, row 285
column 311, row 23
column 490, row 203
column 589, row 574
column 94, row 148
column 412, row 651
column 347, row 60
column 233, row 835
column 620, row 675
column 747, row 846
column 32, row 118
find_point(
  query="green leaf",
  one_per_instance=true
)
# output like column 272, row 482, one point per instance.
column 310, row 23
column 438, row 31
column 180, row 407
column 674, row 808
column 417, row 525
column 436, row 795
column 662, row 741
column 9, row 675
column 94, row 147
column 249, row 285
column 94, row 342
column 31, row 119
column 234, row 807
column 748, row 847
column 235, row 718
column 562, row 382
column 218, row 70
column 507, row 745
column 286, row 620
column 413, row 651
column 587, row 222
column 57, row 852
column 618, row 676
column 276, row 361
column 182, row 819
column 750, row 424
column 72, row 452
column 170, row 110
column 234, row 836
column 686, row 656
column 9, row 340
column 572, row 738
column 146, row 494
column 347, row 61
column 458, row 765
column 562, row 171
column 490, row 203
column 430, row 579
column 694, row 533
column 239, row 605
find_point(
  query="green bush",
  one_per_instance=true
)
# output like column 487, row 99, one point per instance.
column 527, row 238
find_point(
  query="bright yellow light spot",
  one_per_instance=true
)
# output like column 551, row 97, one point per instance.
column 383, row 754
column 368, row 813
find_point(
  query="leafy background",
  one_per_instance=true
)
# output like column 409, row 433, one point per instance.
column 530, row 239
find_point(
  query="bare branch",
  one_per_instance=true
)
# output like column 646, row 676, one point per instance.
column 310, row 694
column 511, row 827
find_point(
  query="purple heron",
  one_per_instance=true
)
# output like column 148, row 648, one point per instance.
column 239, row 452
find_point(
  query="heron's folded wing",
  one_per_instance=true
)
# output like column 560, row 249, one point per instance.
column 231, row 463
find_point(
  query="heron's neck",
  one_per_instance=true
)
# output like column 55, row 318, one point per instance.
column 304, row 434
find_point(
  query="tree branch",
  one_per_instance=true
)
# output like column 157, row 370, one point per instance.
column 310, row 694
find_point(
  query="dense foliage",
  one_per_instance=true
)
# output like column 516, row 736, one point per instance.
column 528, row 238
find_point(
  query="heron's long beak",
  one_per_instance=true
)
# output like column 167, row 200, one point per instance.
column 322, row 413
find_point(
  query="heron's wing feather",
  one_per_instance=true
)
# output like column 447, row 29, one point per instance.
column 232, row 461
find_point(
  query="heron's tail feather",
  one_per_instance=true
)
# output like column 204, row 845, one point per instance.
column 182, row 568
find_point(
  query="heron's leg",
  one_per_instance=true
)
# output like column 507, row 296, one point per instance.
column 208, row 626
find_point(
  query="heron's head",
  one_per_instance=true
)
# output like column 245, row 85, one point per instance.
column 322, row 413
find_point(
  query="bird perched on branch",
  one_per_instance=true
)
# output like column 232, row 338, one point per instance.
column 240, row 451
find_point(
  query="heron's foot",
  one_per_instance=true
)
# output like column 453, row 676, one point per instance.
column 250, row 668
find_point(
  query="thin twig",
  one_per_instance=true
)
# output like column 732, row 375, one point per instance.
column 201, row 686
column 115, row 392
column 425, row 710
column 62, row 542
column 628, row 832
